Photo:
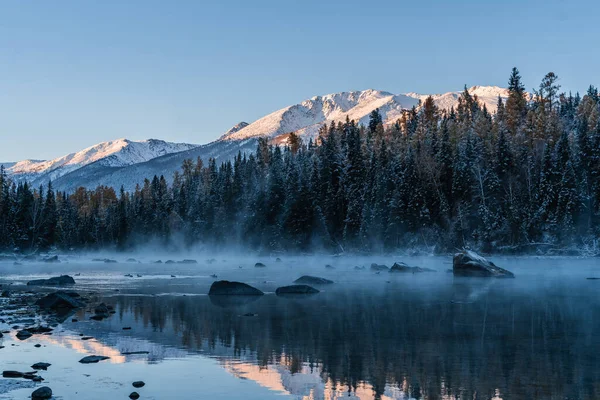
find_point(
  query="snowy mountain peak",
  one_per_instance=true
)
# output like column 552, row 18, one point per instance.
column 114, row 153
column 236, row 128
column 308, row 116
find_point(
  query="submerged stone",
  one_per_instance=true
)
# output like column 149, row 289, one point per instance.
column 401, row 267
column 93, row 359
column 313, row 280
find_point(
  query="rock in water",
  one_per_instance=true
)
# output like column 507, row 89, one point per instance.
column 295, row 289
column 313, row 280
column 401, row 267
column 187, row 262
column 379, row 267
column 259, row 265
column 12, row 374
column 59, row 301
column 93, row 359
column 469, row 263
column 24, row 334
column 233, row 289
column 138, row 384
column 42, row 393
column 41, row 365
column 54, row 281
column 134, row 395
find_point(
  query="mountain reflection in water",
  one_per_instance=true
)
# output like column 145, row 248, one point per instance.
column 446, row 339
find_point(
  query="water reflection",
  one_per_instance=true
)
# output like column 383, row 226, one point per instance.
column 459, row 339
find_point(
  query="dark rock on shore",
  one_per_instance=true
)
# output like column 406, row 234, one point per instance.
column 138, row 384
column 134, row 395
column 295, row 289
column 312, row 280
column 469, row 263
column 259, row 265
column 403, row 268
column 233, row 289
column 54, row 281
column 93, row 359
column 42, row 393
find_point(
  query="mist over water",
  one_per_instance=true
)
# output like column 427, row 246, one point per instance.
column 369, row 336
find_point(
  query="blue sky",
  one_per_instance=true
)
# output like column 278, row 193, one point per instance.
column 75, row 73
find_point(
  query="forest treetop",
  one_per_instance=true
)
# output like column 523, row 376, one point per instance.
column 526, row 178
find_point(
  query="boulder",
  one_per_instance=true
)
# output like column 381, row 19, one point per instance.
column 233, row 289
column 101, row 309
column 134, row 395
column 379, row 267
column 469, row 263
column 54, row 281
column 93, row 359
column 42, row 393
column 403, row 268
column 138, row 384
column 12, row 374
column 312, row 280
column 295, row 289
column 59, row 301
column 41, row 365
column 259, row 265
column 24, row 334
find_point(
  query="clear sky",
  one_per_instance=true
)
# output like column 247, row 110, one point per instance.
column 75, row 73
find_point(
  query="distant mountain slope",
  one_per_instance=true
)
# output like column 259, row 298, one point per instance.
column 112, row 154
column 97, row 173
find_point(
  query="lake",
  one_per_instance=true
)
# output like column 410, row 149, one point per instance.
column 368, row 336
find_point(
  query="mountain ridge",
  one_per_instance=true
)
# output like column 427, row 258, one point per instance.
column 123, row 162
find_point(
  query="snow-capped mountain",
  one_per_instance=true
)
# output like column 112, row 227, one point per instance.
column 116, row 153
column 126, row 163
column 308, row 116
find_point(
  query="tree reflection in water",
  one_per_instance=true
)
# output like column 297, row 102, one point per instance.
column 469, row 340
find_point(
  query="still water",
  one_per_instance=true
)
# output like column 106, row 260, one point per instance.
column 368, row 336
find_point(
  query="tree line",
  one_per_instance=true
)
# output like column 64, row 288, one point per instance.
column 523, row 178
